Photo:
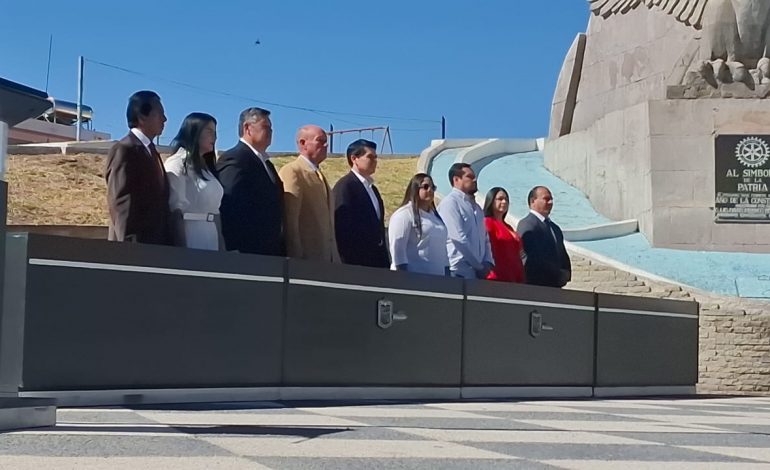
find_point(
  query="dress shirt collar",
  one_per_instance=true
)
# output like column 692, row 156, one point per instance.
column 262, row 156
column 463, row 195
column 539, row 216
column 312, row 165
column 142, row 138
column 366, row 181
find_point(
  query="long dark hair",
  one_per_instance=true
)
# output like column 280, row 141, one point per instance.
column 412, row 195
column 188, row 138
column 489, row 202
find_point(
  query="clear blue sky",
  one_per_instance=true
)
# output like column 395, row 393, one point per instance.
column 489, row 67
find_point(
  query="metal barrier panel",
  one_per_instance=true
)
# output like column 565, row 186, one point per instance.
column 646, row 342
column 522, row 335
column 358, row 326
column 106, row 315
column 10, row 342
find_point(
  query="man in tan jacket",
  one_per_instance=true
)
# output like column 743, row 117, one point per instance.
column 307, row 200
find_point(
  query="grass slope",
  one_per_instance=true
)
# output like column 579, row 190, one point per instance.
column 70, row 190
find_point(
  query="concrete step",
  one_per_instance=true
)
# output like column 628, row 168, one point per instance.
column 21, row 413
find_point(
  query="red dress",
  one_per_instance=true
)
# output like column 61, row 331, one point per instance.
column 506, row 250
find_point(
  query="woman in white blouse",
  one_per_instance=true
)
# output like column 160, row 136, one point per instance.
column 416, row 233
column 195, row 192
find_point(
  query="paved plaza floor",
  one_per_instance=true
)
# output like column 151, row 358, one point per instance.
column 710, row 433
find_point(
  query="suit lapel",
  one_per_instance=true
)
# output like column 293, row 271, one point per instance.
column 363, row 194
column 153, row 163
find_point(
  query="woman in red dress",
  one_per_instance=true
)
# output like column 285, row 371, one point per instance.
column 507, row 249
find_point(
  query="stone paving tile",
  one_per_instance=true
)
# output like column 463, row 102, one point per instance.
column 399, row 464
column 693, row 439
column 651, row 452
column 17, row 462
column 576, row 434
column 64, row 445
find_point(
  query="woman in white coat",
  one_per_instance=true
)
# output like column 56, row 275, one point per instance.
column 195, row 192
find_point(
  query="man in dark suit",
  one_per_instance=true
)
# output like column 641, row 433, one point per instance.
column 358, row 210
column 547, row 262
column 252, row 205
column 137, row 188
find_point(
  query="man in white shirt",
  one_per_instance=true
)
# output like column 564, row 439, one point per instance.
column 470, row 253
column 252, row 205
column 359, row 210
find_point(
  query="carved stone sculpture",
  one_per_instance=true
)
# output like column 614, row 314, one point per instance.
column 735, row 37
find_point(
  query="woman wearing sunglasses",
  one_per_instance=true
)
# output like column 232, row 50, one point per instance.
column 416, row 233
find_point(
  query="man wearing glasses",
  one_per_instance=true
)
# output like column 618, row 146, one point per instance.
column 469, row 250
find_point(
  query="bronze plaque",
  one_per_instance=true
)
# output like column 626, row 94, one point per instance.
column 742, row 179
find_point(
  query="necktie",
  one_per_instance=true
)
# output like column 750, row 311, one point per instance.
column 326, row 186
column 271, row 171
column 549, row 224
column 156, row 156
column 377, row 209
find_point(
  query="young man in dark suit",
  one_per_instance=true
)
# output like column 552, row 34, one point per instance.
column 358, row 210
column 547, row 262
column 137, row 188
column 252, row 205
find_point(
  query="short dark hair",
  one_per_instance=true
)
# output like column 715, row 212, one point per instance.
column 456, row 171
column 358, row 148
column 489, row 201
column 533, row 194
column 140, row 104
column 251, row 114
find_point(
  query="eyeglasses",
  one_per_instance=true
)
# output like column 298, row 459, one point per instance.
column 427, row 186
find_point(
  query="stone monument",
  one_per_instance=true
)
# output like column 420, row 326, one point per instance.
column 662, row 114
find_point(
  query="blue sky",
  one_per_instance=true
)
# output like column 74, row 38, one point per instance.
column 489, row 67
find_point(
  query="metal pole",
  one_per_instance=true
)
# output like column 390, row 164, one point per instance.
column 331, row 138
column 443, row 127
column 80, row 97
column 3, row 149
column 48, row 69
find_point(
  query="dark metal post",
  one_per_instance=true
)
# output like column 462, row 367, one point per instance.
column 80, row 98
column 331, row 138
column 443, row 127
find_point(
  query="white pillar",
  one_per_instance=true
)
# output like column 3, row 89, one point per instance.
column 3, row 148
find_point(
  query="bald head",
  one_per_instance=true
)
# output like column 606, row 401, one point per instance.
column 311, row 142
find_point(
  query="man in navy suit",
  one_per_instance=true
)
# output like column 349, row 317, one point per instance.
column 547, row 262
column 358, row 210
column 252, row 205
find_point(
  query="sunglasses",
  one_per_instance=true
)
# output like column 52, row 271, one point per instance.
column 427, row 186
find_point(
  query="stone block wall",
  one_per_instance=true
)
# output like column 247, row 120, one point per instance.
column 734, row 343
column 628, row 60
column 655, row 162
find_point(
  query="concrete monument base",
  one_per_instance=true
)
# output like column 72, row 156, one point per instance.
column 655, row 162
column 19, row 413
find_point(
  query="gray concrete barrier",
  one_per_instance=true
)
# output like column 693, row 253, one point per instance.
column 86, row 318
column 357, row 326
column 104, row 315
column 644, row 342
column 520, row 335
